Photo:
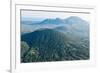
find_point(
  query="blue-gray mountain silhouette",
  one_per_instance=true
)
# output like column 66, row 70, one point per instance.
column 75, row 20
column 69, row 20
column 72, row 22
column 52, row 21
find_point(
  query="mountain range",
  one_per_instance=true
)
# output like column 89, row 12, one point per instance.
column 69, row 20
column 64, row 39
column 71, row 23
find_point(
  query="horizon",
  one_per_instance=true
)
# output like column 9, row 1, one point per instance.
column 40, row 15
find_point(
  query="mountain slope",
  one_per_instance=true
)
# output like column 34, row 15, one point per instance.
column 52, row 45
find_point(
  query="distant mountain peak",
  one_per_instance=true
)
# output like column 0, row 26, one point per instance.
column 52, row 21
column 75, row 20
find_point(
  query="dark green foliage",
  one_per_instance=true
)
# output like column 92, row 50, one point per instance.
column 30, row 56
column 24, row 48
column 52, row 45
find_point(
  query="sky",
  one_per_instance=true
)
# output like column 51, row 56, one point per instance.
column 41, row 15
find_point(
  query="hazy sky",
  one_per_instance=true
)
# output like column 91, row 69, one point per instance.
column 41, row 15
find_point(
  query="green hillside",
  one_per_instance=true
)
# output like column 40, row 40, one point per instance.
column 51, row 45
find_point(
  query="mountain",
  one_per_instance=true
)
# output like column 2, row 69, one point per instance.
column 75, row 20
column 55, row 40
column 52, row 45
column 69, row 20
column 72, row 23
column 74, row 30
column 52, row 21
column 42, row 34
column 78, row 24
column 61, row 28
